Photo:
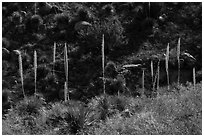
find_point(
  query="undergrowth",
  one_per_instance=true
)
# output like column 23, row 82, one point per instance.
column 174, row 112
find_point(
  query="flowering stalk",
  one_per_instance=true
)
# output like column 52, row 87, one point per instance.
column 152, row 71
column 158, row 69
column 66, row 67
column 194, row 79
column 143, row 75
column 54, row 52
column 65, row 91
column 167, row 64
column 35, row 70
column 20, row 70
column 178, row 58
column 103, row 64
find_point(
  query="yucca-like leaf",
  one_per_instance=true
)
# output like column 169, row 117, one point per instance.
column 178, row 58
column 103, row 63
column 194, row 79
column 35, row 69
column 66, row 65
column 167, row 64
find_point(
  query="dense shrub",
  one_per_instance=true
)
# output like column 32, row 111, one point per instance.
column 30, row 106
column 67, row 118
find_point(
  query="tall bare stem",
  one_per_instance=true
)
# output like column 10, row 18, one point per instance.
column 66, row 67
column 194, row 79
column 152, row 71
column 158, row 69
column 35, row 70
column 178, row 58
column 54, row 52
column 167, row 65
column 21, row 71
column 103, row 64
column 143, row 75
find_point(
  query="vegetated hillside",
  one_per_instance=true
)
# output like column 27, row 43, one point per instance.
column 134, row 33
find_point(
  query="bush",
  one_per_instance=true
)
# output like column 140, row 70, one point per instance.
column 100, row 106
column 30, row 106
column 138, row 124
column 67, row 118
column 26, row 117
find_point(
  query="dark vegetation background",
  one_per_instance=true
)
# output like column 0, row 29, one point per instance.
column 133, row 33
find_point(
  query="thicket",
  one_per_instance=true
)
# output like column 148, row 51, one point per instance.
column 128, row 28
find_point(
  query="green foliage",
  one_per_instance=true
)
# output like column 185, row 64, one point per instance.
column 30, row 106
column 26, row 117
column 6, row 102
column 100, row 106
column 67, row 118
column 127, row 28
column 62, row 20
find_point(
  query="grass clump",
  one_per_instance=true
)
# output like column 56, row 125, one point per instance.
column 30, row 106
column 67, row 118
column 25, row 118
